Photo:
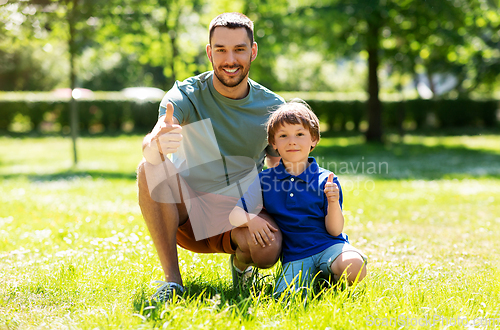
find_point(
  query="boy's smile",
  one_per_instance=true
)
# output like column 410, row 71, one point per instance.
column 294, row 142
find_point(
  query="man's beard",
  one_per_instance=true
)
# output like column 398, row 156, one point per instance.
column 231, row 82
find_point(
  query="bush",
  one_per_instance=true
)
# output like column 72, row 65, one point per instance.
column 110, row 111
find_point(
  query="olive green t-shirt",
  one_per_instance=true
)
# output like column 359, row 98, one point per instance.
column 223, row 139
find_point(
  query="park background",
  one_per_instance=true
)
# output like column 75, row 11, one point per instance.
column 408, row 96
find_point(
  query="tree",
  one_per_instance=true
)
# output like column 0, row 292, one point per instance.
column 405, row 33
column 458, row 40
column 25, row 63
column 270, row 24
column 67, row 20
column 161, row 36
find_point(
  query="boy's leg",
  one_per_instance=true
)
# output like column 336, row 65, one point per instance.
column 298, row 272
column 344, row 259
column 352, row 264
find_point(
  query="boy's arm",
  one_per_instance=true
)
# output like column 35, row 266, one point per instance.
column 260, row 230
column 334, row 220
column 239, row 217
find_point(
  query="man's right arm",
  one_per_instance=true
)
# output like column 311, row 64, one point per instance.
column 165, row 138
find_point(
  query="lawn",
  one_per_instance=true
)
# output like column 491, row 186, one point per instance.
column 75, row 252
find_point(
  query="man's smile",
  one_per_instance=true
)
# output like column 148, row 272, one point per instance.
column 231, row 71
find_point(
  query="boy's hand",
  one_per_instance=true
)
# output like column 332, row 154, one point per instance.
column 331, row 190
column 261, row 231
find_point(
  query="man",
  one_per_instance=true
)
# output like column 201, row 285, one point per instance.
column 212, row 124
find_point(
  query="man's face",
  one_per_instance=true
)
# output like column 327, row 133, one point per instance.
column 231, row 55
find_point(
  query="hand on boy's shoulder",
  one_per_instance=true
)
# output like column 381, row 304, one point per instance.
column 331, row 189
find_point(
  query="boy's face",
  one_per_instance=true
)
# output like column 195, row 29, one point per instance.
column 293, row 142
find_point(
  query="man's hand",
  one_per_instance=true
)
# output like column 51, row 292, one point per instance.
column 331, row 190
column 164, row 139
column 261, row 231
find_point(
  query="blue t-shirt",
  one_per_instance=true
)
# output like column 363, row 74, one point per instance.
column 299, row 206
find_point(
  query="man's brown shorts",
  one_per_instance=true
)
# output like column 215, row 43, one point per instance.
column 216, row 244
column 211, row 215
column 215, row 210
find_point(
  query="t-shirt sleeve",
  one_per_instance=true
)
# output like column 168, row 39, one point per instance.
column 251, row 201
column 271, row 151
column 179, row 100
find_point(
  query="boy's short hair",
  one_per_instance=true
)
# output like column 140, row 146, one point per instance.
column 233, row 21
column 295, row 112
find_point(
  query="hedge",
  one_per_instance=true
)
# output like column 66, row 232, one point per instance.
column 111, row 112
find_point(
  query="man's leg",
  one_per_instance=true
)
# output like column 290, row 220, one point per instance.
column 248, row 253
column 162, row 220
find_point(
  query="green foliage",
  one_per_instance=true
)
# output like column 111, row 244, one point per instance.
column 109, row 111
column 408, row 37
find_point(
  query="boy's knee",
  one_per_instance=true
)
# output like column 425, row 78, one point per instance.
column 350, row 264
column 357, row 270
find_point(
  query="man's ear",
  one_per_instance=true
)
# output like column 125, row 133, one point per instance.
column 209, row 52
column 255, row 50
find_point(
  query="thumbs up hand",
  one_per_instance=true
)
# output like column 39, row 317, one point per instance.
column 164, row 139
column 168, row 119
column 331, row 190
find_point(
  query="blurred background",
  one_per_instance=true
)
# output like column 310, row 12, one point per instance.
column 364, row 66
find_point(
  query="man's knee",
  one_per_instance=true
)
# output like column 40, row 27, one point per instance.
column 154, row 185
column 247, row 251
column 141, row 175
column 268, row 256
column 142, row 183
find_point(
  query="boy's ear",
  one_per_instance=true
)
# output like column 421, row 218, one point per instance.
column 275, row 148
column 314, row 143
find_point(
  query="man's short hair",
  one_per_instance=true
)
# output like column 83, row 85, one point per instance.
column 233, row 21
column 295, row 112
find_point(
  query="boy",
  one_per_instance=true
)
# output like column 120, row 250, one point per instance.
column 305, row 200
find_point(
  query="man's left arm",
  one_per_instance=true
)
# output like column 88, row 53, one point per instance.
column 272, row 161
column 272, row 157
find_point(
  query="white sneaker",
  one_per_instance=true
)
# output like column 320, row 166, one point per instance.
column 240, row 278
column 166, row 290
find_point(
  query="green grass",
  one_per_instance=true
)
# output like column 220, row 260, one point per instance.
column 75, row 252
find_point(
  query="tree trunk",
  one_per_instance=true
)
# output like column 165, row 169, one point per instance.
column 72, row 52
column 374, row 106
column 432, row 86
